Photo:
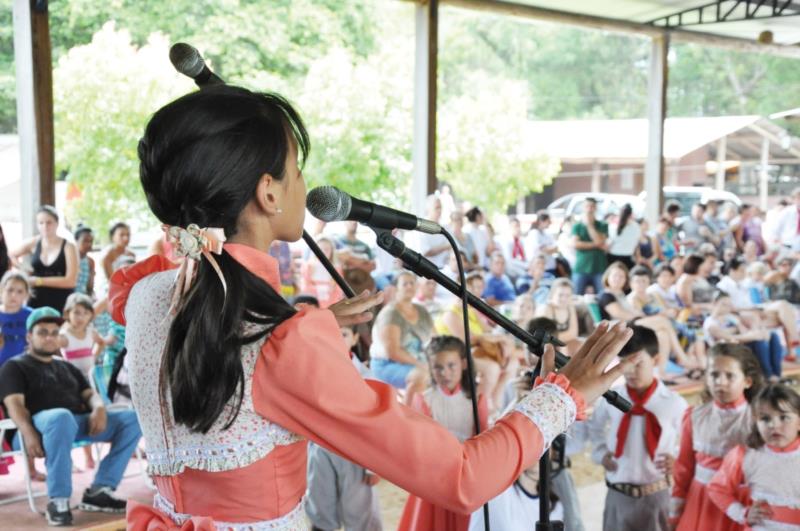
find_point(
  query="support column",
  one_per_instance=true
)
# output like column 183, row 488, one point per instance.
column 425, row 83
column 34, row 70
column 722, row 148
column 596, row 176
column 656, row 114
column 763, row 175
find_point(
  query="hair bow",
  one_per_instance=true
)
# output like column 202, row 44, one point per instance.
column 190, row 244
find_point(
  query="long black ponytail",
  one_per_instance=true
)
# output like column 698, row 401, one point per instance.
column 202, row 157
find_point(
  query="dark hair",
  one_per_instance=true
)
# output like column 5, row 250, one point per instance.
column 747, row 362
column 660, row 268
column 5, row 260
column 445, row 343
column 49, row 210
column 541, row 217
column 777, row 396
column 115, row 227
column 641, row 271
column 692, row 264
column 701, row 206
column 625, row 215
column 80, row 230
column 642, row 339
column 305, row 299
column 473, row 213
column 202, row 157
column 672, row 206
column 542, row 323
column 732, row 265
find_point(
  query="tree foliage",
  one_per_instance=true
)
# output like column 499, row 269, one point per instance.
column 349, row 67
column 481, row 152
column 101, row 110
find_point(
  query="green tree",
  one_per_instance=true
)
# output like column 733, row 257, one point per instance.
column 481, row 149
column 101, row 110
column 359, row 117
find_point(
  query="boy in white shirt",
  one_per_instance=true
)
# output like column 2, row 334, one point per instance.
column 638, row 448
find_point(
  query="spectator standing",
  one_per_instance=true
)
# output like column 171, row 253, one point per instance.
column 434, row 247
column 84, row 240
column 589, row 240
column 624, row 238
column 54, row 261
column 476, row 229
column 464, row 241
column 120, row 236
column 539, row 242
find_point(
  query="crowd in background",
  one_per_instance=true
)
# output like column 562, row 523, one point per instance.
column 716, row 286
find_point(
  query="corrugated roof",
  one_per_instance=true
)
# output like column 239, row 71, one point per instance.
column 627, row 139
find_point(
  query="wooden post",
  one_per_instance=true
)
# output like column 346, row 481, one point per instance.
column 656, row 113
column 763, row 175
column 34, row 71
column 425, row 89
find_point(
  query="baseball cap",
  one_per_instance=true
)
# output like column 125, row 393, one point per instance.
column 43, row 314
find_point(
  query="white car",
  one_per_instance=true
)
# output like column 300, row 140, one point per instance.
column 686, row 196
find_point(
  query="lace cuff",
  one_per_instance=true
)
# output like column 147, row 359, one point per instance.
column 552, row 405
column 736, row 512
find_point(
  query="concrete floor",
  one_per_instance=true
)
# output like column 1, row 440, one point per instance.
column 17, row 516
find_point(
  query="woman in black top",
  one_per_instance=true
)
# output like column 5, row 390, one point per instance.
column 54, row 262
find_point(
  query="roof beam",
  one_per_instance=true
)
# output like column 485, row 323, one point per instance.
column 723, row 11
column 499, row 7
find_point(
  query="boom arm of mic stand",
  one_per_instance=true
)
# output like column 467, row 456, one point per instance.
column 425, row 268
column 348, row 291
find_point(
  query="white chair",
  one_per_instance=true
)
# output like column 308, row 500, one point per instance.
column 7, row 425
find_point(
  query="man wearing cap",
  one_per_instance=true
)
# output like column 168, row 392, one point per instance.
column 53, row 406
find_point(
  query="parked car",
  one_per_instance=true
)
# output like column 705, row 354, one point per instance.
column 686, row 196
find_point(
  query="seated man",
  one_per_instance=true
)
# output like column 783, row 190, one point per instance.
column 53, row 406
column 499, row 288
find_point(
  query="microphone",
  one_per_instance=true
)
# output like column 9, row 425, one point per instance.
column 328, row 203
column 188, row 61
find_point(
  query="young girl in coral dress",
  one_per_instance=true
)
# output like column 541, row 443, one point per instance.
column 230, row 382
column 709, row 431
column 759, row 484
column 448, row 401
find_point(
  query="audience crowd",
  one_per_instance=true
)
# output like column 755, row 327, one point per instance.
column 712, row 296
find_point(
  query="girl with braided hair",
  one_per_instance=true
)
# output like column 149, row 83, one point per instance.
column 230, row 382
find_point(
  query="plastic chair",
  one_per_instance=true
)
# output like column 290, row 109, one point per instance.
column 7, row 425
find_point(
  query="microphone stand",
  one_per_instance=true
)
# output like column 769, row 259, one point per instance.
column 425, row 268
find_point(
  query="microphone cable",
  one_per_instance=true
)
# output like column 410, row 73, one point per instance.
column 468, row 351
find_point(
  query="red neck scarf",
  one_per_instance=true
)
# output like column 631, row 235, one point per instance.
column 652, row 428
column 518, row 251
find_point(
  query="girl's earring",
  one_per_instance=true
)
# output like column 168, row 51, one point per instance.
column 279, row 211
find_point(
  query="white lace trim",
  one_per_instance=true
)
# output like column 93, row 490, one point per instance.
column 294, row 520
column 736, row 512
column 236, row 454
column 703, row 474
column 550, row 408
column 775, row 499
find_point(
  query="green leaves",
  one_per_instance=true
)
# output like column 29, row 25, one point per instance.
column 104, row 93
